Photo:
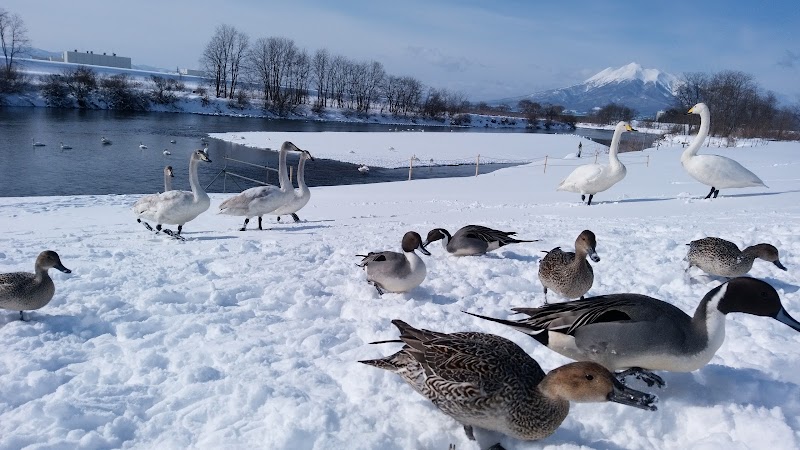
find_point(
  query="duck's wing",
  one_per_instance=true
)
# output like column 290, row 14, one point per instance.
column 385, row 257
column 482, row 233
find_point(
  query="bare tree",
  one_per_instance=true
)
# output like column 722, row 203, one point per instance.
column 213, row 63
column 238, row 45
column 14, row 42
column 222, row 59
column 320, row 64
column 691, row 89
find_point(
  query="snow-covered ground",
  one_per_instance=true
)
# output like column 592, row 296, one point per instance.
column 250, row 339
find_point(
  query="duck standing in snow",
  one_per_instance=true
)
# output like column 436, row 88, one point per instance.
column 23, row 291
column 723, row 258
column 396, row 272
column 568, row 273
column 472, row 240
column 486, row 381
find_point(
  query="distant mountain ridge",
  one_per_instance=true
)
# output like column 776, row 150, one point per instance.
column 645, row 90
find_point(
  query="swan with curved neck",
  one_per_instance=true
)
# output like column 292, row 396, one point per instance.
column 168, row 175
column 261, row 200
column 301, row 195
column 716, row 171
column 593, row 178
column 175, row 207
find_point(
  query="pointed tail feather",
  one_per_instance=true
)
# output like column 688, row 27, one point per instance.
column 540, row 334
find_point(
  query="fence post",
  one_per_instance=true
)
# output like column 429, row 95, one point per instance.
column 596, row 154
column 545, row 164
column 291, row 174
column 647, row 164
column 410, row 166
column 477, row 164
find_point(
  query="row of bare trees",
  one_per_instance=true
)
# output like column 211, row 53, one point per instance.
column 739, row 106
column 284, row 76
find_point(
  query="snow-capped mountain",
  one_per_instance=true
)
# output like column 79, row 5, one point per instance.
column 644, row 90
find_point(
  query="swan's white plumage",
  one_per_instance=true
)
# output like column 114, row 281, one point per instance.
column 713, row 170
column 593, row 178
column 261, row 200
column 302, row 194
column 176, row 207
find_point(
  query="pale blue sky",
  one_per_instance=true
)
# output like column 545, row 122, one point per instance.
column 487, row 50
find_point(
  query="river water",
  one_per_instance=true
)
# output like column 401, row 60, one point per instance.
column 90, row 167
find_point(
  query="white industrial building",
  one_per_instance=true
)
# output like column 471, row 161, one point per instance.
column 92, row 59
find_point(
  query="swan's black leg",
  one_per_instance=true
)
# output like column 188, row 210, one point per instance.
column 591, row 196
column 279, row 218
column 710, row 192
column 583, row 197
column 180, row 228
column 470, row 434
column 294, row 216
column 716, row 192
column 244, row 227
column 146, row 225
column 641, row 374
column 259, row 223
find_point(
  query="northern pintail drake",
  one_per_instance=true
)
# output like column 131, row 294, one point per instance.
column 568, row 273
column 301, row 195
column 486, row 381
column 638, row 334
column 716, row 171
column 260, row 200
column 23, row 291
column 593, row 178
column 472, row 240
column 723, row 258
column 175, row 207
column 396, row 272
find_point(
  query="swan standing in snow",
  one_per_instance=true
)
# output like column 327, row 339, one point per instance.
column 301, row 195
column 168, row 174
column 593, row 178
column 261, row 200
column 718, row 172
column 175, row 207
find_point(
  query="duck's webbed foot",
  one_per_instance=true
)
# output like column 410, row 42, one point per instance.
column 641, row 374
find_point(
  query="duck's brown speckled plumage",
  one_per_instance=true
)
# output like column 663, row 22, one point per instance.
column 723, row 258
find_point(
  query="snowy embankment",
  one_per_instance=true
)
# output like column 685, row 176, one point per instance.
column 250, row 340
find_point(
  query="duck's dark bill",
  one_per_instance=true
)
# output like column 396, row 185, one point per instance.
column 784, row 317
column 631, row 397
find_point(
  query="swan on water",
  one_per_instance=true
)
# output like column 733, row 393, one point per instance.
column 301, row 195
column 105, row 141
column 142, row 146
column 64, row 147
column 37, row 143
column 593, row 178
column 716, row 171
column 261, row 200
column 175, row 207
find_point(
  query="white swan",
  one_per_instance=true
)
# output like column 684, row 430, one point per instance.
column 301, row 195
column 593, row 178
column 105, row 141
column 64, row 147
column 262, row 200
column 168, row 174
column 36, row 143
column 175, row 207
column 142, row 146
column 716, row 171
column 364, row 169
column 167, row 152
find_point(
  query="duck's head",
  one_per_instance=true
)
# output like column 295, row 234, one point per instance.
column 201, row 155
column 413, row 241
column 49, row 259
column 769, row 252
column 587, row 243
column 586, row 382
column 750, row 296
column 168, row 171
column 436, row 234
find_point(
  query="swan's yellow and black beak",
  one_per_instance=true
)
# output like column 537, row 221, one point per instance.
column 690, row 111
column 629, row 128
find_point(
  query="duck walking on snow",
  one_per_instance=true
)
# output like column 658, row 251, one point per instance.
column 637, row 334
column 23, row 291
column 568, row 273
column 723, row 258
column 396, row 272
column 175, row 207
column 593, row 178
column 472, row 240
column 718, row 172
column 486, row 381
